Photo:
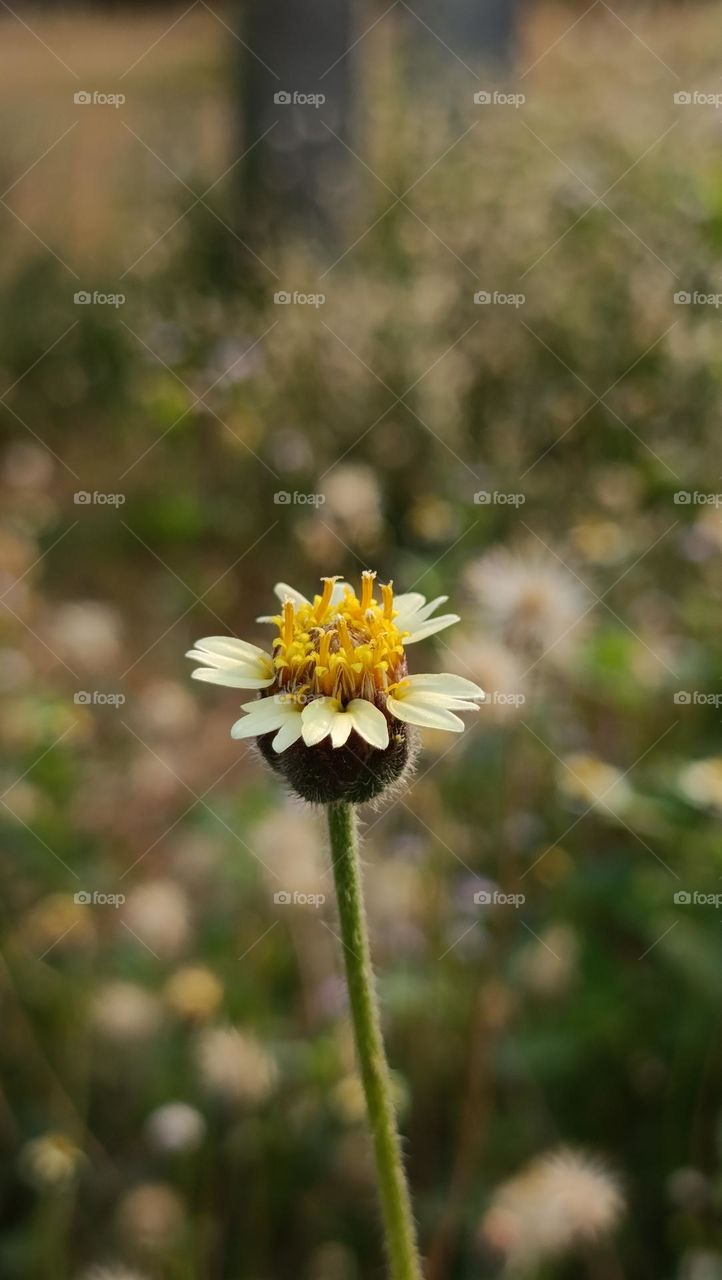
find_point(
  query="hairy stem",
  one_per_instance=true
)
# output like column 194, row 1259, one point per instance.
column 393, row 1189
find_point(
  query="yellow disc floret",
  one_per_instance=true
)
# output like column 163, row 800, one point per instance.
column 347, row 649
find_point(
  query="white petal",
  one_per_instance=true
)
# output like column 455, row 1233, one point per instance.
column 428, row 609
column 253, row 665
column 430, row 717
column 318, row 718
column 229, row 647
column 431, row 627
column 443, row 700
column 369, row 722
column 264, row 716
column 283, row 592
column 340, row 729
column 274, row 708
column 289, row 733
column 338, row 592
column 232, row 679
column 409, row 603
column 443, row 682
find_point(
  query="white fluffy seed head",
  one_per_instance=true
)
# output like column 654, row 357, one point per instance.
column 561, row 1199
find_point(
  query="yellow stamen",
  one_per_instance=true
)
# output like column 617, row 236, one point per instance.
column 288, row 622
column 345, row 638
column 367, row 589
column 323, row 648
column 324, row 602
column 345, row 650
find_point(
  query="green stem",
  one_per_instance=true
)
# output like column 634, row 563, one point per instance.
column 395, row 1200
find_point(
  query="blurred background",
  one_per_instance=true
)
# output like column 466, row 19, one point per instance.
column 293, row 290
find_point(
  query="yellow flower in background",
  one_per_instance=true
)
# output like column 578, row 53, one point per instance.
column 337, row 677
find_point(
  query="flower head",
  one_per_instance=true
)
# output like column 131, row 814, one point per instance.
column 561, row 1199
column 336, row 699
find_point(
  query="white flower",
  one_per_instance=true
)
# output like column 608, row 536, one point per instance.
column 339, row 666
column 561, row 1199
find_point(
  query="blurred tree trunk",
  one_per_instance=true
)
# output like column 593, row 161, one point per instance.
column 294, row 178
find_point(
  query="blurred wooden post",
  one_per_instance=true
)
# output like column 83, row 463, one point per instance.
column 479, row 32
column 293, row 180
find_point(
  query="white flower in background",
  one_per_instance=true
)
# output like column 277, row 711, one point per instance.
column 559, row 1200
column 123, row 1013
column 151, row 1216
column 175, row 1126
column 158, row 913
column 234, row 1066
column 337, row 675
column 701, row 782
column 534, row 600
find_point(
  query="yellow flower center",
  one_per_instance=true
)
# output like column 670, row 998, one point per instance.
column 349, row 649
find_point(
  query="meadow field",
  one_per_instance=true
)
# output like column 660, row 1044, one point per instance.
column 497, row 380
